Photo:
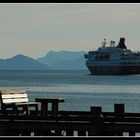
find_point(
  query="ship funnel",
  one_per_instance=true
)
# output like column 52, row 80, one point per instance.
column 121, row 43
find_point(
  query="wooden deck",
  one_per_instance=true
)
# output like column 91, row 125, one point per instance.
column 71, row 123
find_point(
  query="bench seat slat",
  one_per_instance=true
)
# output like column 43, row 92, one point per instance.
column 15, row 100
column 28, row 103
column 4, row 96
column 12, row 92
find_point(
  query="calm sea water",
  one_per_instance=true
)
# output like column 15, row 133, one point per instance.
column 80, row 89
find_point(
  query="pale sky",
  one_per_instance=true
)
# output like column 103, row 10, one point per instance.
column 33, row 29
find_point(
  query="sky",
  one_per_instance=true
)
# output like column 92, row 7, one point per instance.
column 33, row 29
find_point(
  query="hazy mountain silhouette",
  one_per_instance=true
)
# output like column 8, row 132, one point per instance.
column 64, row 60
column 21, row 62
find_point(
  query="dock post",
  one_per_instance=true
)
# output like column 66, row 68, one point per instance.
column 96, row 123
column 119, row 110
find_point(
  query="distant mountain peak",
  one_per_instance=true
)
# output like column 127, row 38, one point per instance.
column 21, row 56
column 21, row 62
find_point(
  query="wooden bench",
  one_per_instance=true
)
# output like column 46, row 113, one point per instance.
column 16, row 99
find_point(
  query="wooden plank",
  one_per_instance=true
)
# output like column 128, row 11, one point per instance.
column 126, row 127
column 28, row 103
column 49, row 100
column 15, row 100
column 4, row 96
column 12, row 91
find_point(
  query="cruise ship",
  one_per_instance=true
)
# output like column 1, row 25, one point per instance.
column 113, row 60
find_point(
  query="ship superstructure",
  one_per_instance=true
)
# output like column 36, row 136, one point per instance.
column 113, row 60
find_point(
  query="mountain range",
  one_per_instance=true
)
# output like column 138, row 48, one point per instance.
column 64, row 60
column 61, row 60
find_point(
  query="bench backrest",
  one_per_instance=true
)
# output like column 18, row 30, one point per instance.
column 13, row 96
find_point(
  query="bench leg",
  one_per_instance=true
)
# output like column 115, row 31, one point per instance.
column 25, row 108
column 36, row 110
column 54, row 109
column 44, row 109
column 15, row 109
column 3, row 110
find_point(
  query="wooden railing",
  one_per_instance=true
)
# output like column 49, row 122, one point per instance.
column 71, row 123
